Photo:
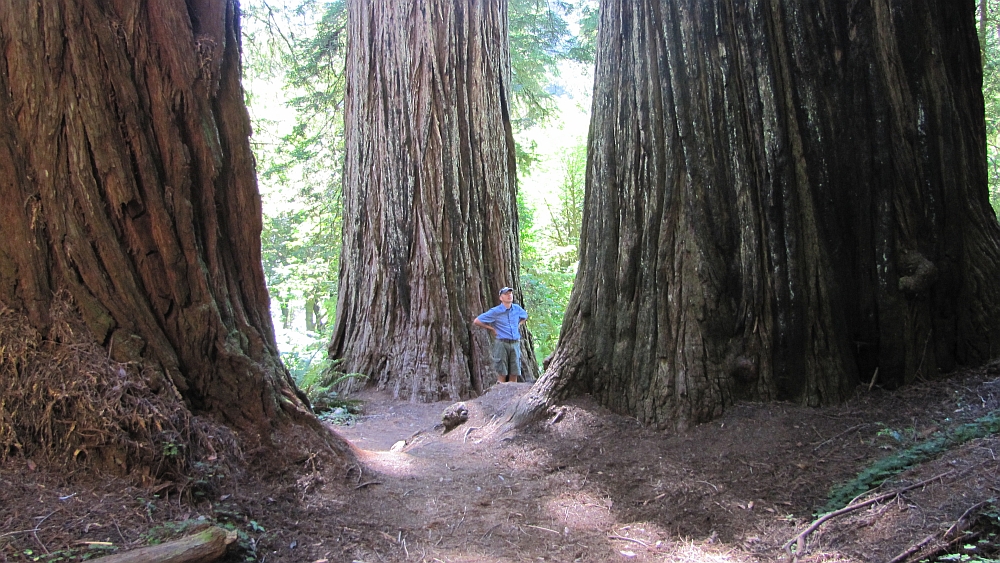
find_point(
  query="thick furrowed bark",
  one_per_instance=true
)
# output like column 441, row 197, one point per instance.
column 132, row 185
column 779, row 201
column 431, row 230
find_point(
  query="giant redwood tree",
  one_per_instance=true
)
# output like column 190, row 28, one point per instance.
column 131, row 223
column 430, row 228
column 783, row 199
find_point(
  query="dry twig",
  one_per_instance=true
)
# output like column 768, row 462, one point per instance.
column 917, row 548
column 962, row 518
column 913, row 549
column 638, row 541
column 467, row 432
column 849, row 430
column 800, row 540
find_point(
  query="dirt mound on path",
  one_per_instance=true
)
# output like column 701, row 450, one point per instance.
column 583, row 485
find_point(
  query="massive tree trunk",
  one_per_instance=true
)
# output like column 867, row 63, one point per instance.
column 782, row 200
column 430, row 222
column 127, row 180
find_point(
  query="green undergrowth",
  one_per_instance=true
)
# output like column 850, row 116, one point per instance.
column 892, row 465
column 320, row 380
column 94, row 550
column 978, row 543
column 327, row 402
column 249, row 533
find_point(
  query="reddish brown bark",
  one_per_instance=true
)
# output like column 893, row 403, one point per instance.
column 781, row 200
column 430, row 228
column 127, row 178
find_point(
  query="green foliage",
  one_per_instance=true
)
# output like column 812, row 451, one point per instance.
column 248, row 532
column 327, row 402
column 295, row 61
column 301, row 252
column 319, row 379
column 248, row 536
column 981, row 539
column 541, row 37
column 172, row 449
column 989, row 39
column 892, row 465
column 563, row 232
column 549, row 254
column 966, row 558
column 81, row 553
column 546, row 290
column 170, row 530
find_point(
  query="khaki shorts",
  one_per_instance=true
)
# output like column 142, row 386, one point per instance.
column 507, row 357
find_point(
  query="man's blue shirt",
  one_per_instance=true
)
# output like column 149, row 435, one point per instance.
column 505, row 320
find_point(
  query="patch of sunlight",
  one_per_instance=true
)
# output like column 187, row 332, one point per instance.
column 392, row 463
column 690, row 551
column 579, row 510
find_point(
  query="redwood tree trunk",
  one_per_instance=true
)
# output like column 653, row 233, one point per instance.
column 781, row 200
column 430, row 222
column 126, row 178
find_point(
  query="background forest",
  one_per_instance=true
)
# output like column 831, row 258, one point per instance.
column 294, row 79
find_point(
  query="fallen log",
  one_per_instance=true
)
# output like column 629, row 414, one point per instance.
column 201, row 547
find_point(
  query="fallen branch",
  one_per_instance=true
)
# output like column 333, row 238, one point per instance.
column 467, row 432
column 962, row 518
column 202, row 547
column 919, row 546
column 544, row 529
column 638, row 541
column 913, row 549
column 848, row 431
column 800, row 540
column 33, row 530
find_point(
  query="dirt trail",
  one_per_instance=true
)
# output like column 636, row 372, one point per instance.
column 594, row 486
column 586, row 485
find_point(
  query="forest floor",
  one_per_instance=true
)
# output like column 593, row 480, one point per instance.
column 583, row 485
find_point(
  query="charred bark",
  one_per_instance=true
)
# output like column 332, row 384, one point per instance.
column 430, row 229
column 780, row 200
column 126, row 178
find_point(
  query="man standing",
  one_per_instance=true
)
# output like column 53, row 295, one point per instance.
column 505, row 321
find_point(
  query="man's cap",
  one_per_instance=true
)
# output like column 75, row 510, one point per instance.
column 505, row 290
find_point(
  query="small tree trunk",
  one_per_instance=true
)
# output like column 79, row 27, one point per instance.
column 780, row 200
column 310, row 314
column 430, row 227
column 286, row 315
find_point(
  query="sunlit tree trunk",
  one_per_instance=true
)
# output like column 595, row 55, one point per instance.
column 782, row 201
column 430, row 222
column 126, row 178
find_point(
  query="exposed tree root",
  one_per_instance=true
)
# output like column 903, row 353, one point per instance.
column 532, row 406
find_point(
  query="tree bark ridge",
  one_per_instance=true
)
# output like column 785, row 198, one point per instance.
column 431, row 234
column 779, row 201
column 131, row 185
